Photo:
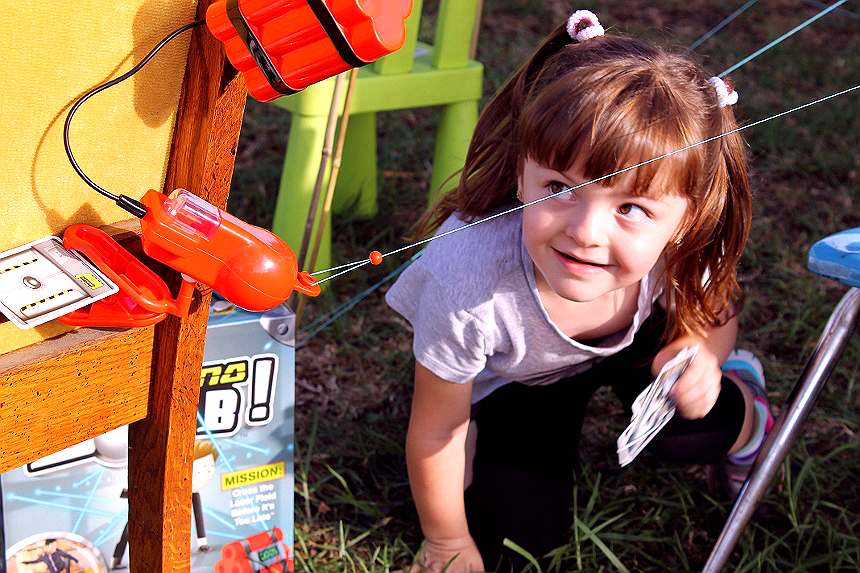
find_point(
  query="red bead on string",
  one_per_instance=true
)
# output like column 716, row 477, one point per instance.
column 375, row 257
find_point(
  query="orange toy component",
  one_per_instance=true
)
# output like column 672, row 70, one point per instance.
column 259, row 553
column 249, row 266
column 283, row 46
column 143, row 299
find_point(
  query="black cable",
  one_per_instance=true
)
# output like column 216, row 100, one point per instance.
column 133, row 206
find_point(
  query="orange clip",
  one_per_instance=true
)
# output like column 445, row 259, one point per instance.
column 144, row 298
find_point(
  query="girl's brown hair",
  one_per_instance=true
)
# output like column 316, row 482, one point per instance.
column 604, row 105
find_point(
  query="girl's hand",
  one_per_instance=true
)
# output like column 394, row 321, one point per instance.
column 450, row 556
column 696, row 391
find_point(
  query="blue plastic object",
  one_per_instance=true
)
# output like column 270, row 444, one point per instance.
column 838, row 257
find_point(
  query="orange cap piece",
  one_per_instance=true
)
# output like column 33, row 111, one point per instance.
column 371, row 28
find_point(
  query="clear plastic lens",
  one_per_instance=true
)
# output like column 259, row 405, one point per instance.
column 193, row 213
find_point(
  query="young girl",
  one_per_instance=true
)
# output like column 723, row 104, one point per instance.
column 519, row 319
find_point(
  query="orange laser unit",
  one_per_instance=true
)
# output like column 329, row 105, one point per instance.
column 249, row 266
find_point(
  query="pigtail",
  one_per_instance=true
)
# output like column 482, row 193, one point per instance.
column 712, row 245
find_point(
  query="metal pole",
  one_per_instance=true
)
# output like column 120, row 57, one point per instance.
column 788, row 424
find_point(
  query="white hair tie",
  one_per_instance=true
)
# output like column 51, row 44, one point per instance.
column 584, row 25
column 726, row 95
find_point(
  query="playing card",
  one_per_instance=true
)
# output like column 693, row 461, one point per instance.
column 653, row 408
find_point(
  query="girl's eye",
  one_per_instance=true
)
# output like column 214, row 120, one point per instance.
column 633, row 212
column 560, row 191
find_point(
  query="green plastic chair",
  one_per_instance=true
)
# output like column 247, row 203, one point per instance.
column 417, row 75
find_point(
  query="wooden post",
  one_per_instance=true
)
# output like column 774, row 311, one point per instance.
column 161, row 445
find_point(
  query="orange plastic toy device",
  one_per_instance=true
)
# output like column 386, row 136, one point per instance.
column 283, row 46
column 259, row 553
column 249, row 266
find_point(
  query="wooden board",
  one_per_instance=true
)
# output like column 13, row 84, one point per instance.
column 83, row 385
column 204, row 148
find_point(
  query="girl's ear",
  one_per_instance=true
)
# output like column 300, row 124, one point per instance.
column 520, row 183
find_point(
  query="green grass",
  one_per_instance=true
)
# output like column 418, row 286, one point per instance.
column 353, row 507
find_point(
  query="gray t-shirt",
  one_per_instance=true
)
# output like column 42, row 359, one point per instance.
column 473, row 304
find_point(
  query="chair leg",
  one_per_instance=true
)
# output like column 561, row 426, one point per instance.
column 356, row 189
column 787, row 427
column 301, row 166
column 456, row 123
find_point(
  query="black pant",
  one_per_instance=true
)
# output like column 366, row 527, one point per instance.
column 528, row 442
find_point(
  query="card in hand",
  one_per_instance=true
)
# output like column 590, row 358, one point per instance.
column 653, row 408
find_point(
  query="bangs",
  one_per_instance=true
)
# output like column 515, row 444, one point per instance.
column 634, row 118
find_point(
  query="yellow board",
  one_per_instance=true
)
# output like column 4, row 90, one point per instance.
column 53, row 52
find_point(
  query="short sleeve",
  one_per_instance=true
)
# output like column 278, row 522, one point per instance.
column 447, row 339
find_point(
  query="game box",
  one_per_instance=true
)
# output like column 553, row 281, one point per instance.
column 70, row 508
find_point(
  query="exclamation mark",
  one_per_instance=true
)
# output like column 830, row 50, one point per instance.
column 262, row 385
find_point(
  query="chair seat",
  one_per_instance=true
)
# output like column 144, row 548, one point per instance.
column 838, row 257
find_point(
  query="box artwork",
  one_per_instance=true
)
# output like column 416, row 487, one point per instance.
column 67, row 512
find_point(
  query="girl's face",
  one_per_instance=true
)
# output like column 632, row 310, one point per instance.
column 595, row 240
